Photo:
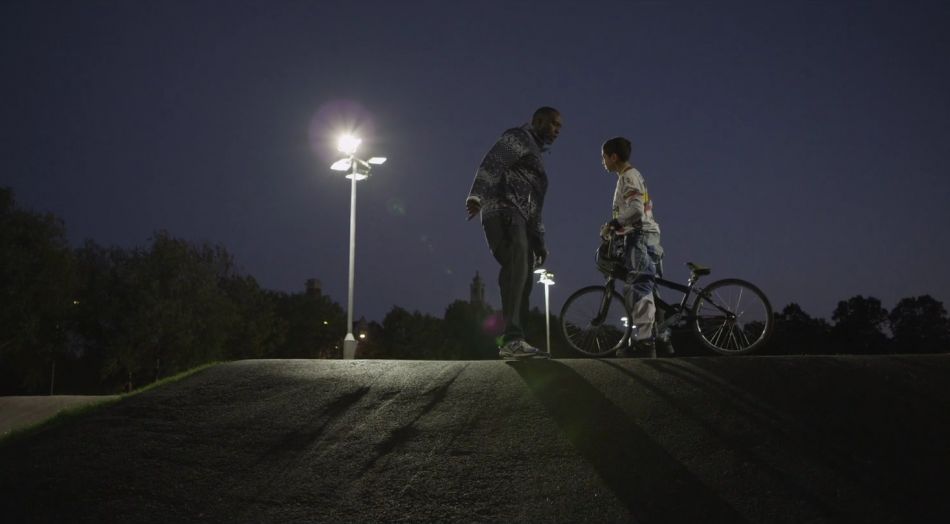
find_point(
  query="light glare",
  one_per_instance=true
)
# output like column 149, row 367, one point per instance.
column 544, row 276
column 342, row 164
column 348, row 144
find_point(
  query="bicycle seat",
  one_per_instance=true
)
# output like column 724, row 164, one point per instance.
column 698, row 270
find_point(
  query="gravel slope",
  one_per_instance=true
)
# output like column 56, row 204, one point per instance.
column 743, row 439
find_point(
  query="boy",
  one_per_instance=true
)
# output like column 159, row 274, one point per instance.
column 633, row 222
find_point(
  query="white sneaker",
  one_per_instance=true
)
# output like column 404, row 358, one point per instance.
column 519, row 349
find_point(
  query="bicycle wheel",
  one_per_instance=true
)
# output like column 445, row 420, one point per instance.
column 594, row 321
column 732, row 317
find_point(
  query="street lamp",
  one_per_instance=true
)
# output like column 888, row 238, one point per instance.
column 358, row 170
column 547, row 278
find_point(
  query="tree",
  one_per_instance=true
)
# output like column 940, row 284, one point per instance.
column 148, row 313
column 259, row 331
column 315, row 326
column 920, row 325
column 796, row 332
column 371, row 340
column 412, row 335
column 470, row 331
column 36, row 296
column 859, row 324
column 185, row 318
column 101, row 314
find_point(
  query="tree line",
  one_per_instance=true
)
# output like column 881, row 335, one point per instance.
column 861, row 325
column 97, row 319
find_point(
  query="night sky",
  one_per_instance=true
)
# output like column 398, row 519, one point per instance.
column 801, row 145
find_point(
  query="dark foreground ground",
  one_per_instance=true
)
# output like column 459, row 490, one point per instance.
column 758, row 439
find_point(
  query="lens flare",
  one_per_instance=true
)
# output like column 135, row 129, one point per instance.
column 396, row 207
column 348, row 144
column 427, row 242
column 334, row 119
column 494, row 324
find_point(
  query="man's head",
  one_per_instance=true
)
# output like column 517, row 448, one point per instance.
column 615, row 153
column 546, row 123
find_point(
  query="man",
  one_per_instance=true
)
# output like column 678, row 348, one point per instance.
column 508, row 191
column 633, row 222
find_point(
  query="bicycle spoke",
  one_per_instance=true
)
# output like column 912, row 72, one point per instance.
column 718, row 333
column 724, row 332
column 745, row 339
column 732, row 336
column 575, row 332
column 589, row 335
column 746, row 316
column 590, row 323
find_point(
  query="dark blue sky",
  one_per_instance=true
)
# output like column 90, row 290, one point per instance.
column 798, row 144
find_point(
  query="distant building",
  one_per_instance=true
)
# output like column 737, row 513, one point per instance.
column 477, row 291
column 314, row 287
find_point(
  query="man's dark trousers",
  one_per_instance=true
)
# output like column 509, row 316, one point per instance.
column 507, row 237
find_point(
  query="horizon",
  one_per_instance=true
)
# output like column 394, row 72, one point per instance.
column 777, row 308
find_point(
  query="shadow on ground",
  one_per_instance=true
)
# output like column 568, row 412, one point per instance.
column 643, row 475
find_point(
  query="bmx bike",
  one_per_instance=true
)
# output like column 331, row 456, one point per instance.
column 729, row 316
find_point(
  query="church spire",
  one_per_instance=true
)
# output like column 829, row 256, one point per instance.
column 477, row 294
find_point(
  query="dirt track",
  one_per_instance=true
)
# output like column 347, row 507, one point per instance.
column 757, row 439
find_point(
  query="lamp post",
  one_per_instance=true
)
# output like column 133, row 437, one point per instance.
column 359, row 170
column 547, row 278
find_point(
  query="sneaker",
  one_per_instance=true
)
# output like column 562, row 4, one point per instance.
column 665, row 347
column 639, row 348
column 519, row 349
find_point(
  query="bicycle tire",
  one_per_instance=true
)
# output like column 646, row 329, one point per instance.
column 732, row 317
column 579, row 326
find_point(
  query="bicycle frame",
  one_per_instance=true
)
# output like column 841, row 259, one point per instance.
column 673, row 313
column 676, row 312
column 715, row 313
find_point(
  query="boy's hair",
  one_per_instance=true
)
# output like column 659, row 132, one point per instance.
column 543, row 115
column 619, row 146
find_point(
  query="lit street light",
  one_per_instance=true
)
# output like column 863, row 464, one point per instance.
column 547, row 278
column 359, row 170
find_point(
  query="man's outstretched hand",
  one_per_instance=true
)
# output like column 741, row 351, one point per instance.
column 472, row 207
